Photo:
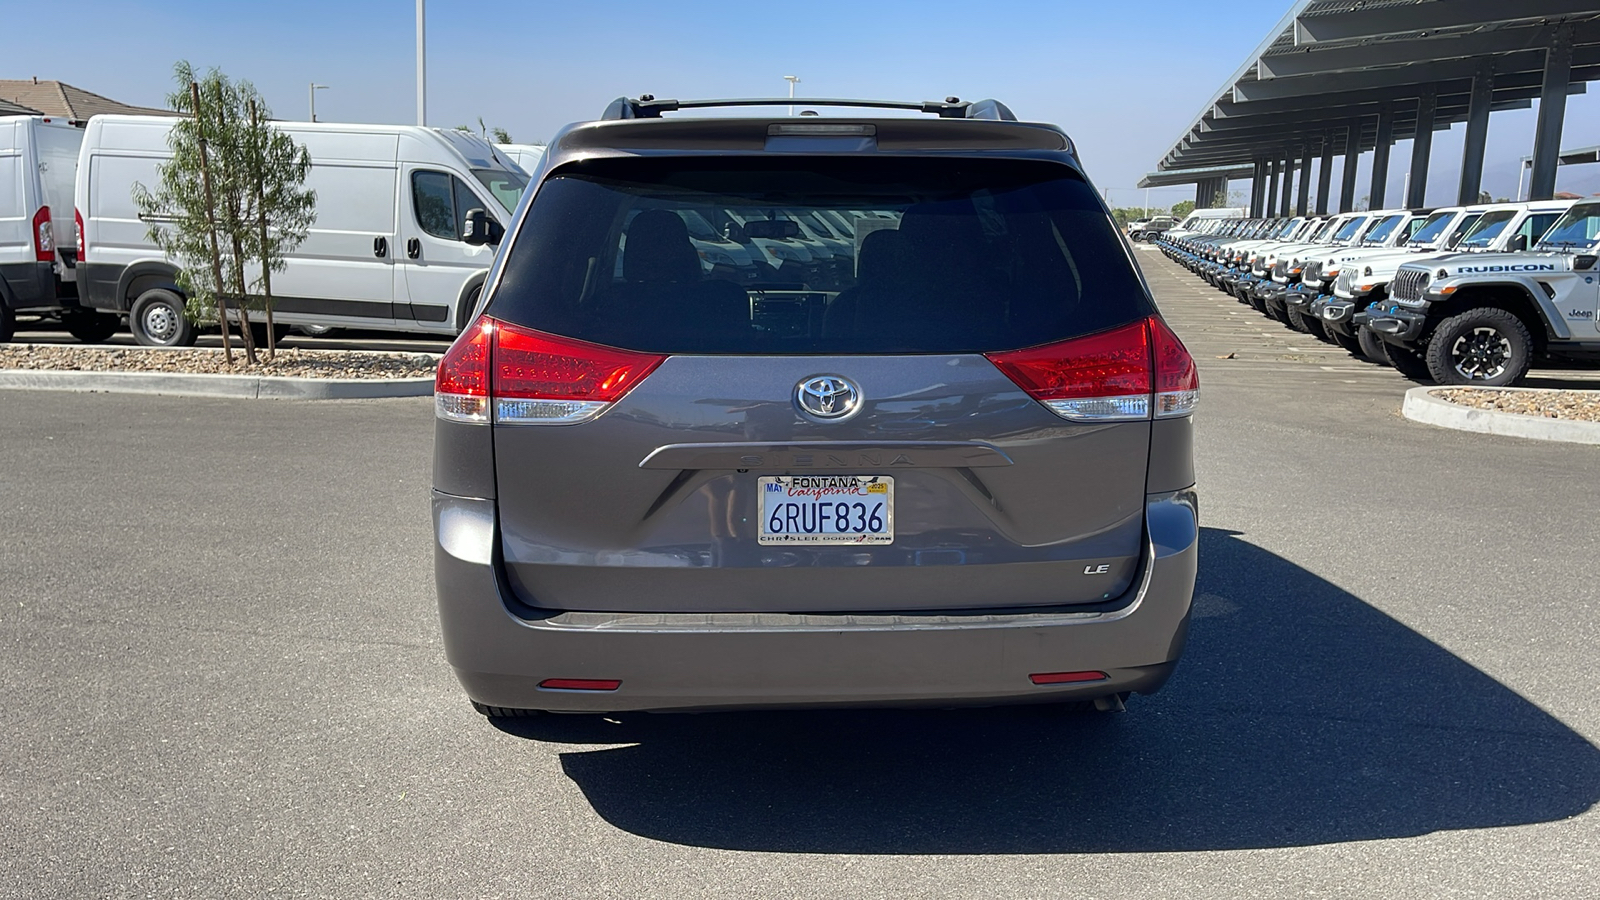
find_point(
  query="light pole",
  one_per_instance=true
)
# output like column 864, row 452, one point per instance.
column 312, row 93
column 792, row 79
column 422, row 67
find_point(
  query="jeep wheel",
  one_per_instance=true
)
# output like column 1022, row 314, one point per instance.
column 90, row 327
column 1408, row 362
column 1486, row 346
column 1347, row 342
column 1370, row 346
column 157, row 320
column 1296, row 320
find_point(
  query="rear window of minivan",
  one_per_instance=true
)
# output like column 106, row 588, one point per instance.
column 722, row 255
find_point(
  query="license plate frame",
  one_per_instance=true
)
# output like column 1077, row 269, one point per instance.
column 831, row 490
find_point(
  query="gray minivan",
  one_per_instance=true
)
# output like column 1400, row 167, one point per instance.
column 963, row 474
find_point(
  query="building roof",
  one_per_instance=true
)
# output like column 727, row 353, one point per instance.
column 57, row 98
column 7, row 108
column 1330, row 64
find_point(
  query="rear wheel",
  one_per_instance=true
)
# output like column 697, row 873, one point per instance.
column 1486, row 346
column 90, row 327
column 157, row 320
column 504, row 712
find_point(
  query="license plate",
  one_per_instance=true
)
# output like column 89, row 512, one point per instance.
column 827, row 509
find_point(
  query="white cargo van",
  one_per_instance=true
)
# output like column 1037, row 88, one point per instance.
column 385, row 252
column 526, row 156
column 38, row 159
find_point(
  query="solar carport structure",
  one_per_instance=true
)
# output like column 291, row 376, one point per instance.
column 1336, row 78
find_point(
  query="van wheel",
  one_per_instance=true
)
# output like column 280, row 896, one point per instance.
column 503, row 712
column 8, row 323
column 90, row 327
column 318, row 330
column 157, row 320
column 1485, row 346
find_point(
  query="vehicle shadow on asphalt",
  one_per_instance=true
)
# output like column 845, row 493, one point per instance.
column 1300, row 715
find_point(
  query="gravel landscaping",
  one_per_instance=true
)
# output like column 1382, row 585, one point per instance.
column 1577, row 406
column 291, row 362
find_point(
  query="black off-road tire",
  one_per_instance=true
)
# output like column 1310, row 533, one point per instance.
column 1408, row 362
column 1370, row 346
column 91, row 327
column 157, row 320
column 1291, row 315
column 1486, row 340
column 1348, row 342
column 503, row 712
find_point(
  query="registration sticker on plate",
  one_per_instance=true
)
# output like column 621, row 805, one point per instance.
column 827, row 509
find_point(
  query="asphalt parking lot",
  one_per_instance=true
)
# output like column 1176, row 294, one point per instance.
column 221, row 676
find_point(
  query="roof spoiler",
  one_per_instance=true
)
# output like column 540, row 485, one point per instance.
column 646, row 106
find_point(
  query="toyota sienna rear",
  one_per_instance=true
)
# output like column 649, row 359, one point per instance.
column 953, row 467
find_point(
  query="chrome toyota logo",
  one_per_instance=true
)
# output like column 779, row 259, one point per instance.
column 827, row 397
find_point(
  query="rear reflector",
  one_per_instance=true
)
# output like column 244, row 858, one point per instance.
column 1067, row 677
column 83, row 245
column 1120, row 375
column 519, row 376
column 580, row 684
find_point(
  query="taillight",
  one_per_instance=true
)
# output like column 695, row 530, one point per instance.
column 1124, row 374
column 83, row 245
column 513, row 375
column 44, row 236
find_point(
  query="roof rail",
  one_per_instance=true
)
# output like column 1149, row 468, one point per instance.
column 646, row 106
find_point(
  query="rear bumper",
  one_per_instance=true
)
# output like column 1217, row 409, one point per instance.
column 29, row 285
column 501, row 651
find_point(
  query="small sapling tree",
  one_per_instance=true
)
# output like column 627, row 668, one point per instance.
column 230, row 203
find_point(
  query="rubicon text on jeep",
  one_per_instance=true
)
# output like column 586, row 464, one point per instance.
column 1484, row 318
column 964, row 477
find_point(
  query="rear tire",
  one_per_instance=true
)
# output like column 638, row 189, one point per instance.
column 91, row 327
column 157, row 320
column 1487, row 346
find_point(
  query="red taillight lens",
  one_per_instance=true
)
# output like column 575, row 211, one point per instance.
column 1177, row 381
column 580, row 684
column 1118, row 375
column 44, row 236
column 83, row 245
column 1100, row 377
column 521, row 376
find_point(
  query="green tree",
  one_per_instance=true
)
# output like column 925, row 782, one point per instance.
column 1182, row 208
column 500, row 135
column 230, row 204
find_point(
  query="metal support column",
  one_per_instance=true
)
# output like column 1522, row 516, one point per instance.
column 1200, row 195
column 1477, row 136
column 1352, row 156
column 1286, row 201
column 1421, row 150
column 1271, row 209
column 1302, row 202
column 1552, row 115
column 1380, row 158
column 1258, row 190
column 1325, row 173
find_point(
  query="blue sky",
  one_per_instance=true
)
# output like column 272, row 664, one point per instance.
column 1125, row 79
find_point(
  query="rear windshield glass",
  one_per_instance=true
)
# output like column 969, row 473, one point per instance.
column 841, row 255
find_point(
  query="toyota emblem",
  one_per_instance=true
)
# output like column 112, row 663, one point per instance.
column 828, row 397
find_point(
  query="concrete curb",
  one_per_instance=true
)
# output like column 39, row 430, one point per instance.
column 1421, row 406
column 249, row 387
